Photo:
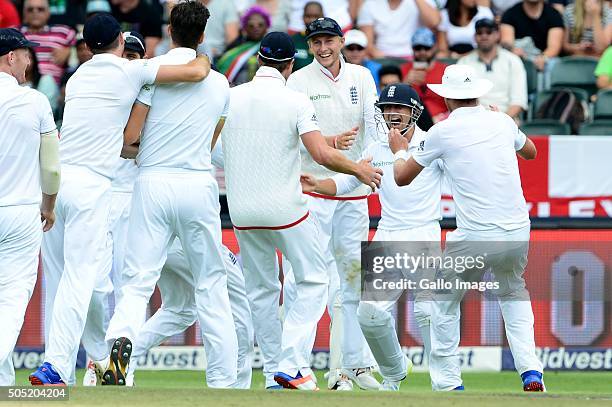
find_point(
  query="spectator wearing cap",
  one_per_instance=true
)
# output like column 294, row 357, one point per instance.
column 355, row 45
column 9, row 16
column 134, row 46
column 390, row 24
column 603, row 71
column 142, row 16
column 303, row 56
column 533, row 29
column 504, row 69
column 239, row 63
column 222, row 28
column 456, row 30
column 422, row 70
column 55, row 41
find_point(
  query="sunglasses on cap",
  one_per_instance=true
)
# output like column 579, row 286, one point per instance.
column 420, row 48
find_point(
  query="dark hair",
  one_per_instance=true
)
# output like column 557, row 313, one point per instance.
column 466, row 102
column 313, row 3
column 187, row 23
column 109, row 47
column 454, row 11
column 34, row 65
column 279, row 66
column 389, row 70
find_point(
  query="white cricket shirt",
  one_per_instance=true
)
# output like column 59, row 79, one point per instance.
column 261, row 148
column 340, row 103
column 24, row 114
column 99, row 99
column 404, row 207
column 180, row 125
column 478, row 151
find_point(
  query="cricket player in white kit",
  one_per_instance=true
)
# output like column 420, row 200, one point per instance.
column 343, row 95
column 478, row 149
column 176, row 195
column 29, row 163
column 98, row 100
column 408, row 214
column 261, row 145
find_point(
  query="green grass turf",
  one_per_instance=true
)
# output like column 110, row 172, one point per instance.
column 187, row 388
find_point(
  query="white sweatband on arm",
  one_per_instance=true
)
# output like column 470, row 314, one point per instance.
column 402, row 154
column 49, row 163
column 345, row 183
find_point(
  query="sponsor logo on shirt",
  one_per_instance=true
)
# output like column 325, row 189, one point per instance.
column 378, row 164
column 314, row 118
column 354, row 95
column 318, row 97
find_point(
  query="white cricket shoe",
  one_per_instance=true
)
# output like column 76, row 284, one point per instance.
column 90, row 379
column 390, row 385
column 363, row 378
column 129, row 379
column 333, row 377
column 344, row 384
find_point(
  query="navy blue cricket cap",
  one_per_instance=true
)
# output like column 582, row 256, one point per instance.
column 101, row 30
column 399, row 94
column 12, row 39
column 277, row 46
column 323, row 26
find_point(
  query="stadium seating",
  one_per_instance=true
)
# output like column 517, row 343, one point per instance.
column 546, row 127
column 543, row 95
column 532, row 76
column 597, row 128
column 575, row 72
column 603, row 105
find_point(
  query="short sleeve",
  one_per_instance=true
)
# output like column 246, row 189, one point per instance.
column 567, row 16
column 370, row 97
column 556, row 21
column 293, row 83
column 509, row 16
column 47, row 122
column 429, row 149
column 307, row 119
column 607, row 16
column 365, row 15
column 227, row 104
column 143, row 71
column 146, row 95
column 519, row 139
column 604, row 66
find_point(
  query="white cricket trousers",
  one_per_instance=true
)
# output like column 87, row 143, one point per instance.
column 506, row 255
column 165, row 205
column 20, row 236
column 344, row 225
column 375, row 318
column 73, row 253
column 110, row 281
column 301, row 245
column 178, row 310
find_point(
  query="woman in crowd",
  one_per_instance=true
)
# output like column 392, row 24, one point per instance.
column 457, row 27
column 239, row 63
column 588, row 27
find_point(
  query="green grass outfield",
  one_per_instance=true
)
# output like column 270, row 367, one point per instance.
column 187, row 388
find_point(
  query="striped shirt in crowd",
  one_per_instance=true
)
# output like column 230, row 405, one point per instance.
column 587, row 33
column 50, row 37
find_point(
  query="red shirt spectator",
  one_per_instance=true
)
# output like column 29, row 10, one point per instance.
column 55, row 40
column 9, row 17
column 433, row 74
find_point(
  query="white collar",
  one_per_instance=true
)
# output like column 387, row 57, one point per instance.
column 182, row 51
column 327, row 73
column 266, row 73
column 6, row 77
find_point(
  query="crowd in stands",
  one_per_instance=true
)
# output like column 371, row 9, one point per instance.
column 523, row 46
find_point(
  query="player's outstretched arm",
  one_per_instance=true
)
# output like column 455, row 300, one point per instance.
column 50, row 175
column 528, row 151
column 194, row 71
column 336, row 161
column 135, row 124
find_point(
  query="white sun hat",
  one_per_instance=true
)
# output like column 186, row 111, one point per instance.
column 461, row 82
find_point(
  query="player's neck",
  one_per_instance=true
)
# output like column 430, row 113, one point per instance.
column 335, row 68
